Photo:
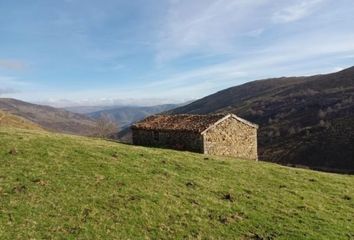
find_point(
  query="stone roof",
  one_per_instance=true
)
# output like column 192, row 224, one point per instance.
column 184, row 122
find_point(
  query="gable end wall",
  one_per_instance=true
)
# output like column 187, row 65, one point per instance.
column 231, row 138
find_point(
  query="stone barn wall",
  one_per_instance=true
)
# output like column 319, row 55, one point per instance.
column 231, row 138
column 179, row 140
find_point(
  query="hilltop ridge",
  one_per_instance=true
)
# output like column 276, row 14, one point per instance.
column 304, row 121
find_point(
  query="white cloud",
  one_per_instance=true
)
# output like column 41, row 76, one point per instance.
column 255, row 33
column 206, row 26
column 310, row 55
column 297, row 11
column 61, row 103
column 218, row 27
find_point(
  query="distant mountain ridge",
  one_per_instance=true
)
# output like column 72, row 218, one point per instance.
column 307, row 121
column 126, row 115
column 87, row 109
column 49, row 118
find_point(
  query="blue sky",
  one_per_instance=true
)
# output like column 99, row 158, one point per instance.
column 88, row 52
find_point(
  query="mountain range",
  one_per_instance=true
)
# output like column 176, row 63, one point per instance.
column 124, row 116
column 49, row 118
column 74, row 120
column 304, row 121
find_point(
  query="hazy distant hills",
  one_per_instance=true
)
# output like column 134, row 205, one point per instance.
column 49, row 118
column 126, row 115
column 87, row 109
column 78, row 120
column 303, row 120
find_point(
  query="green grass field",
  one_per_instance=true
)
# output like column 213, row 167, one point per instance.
column 56, row 186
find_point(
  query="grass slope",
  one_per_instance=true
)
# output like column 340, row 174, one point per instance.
column 9, row 120
column 56, row 186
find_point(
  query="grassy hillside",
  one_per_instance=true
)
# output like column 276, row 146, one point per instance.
column 56, row 186
column 9, row 120
column 303, row 120
column 49, row 118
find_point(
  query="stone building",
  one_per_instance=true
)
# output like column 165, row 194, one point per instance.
column 226, row 135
